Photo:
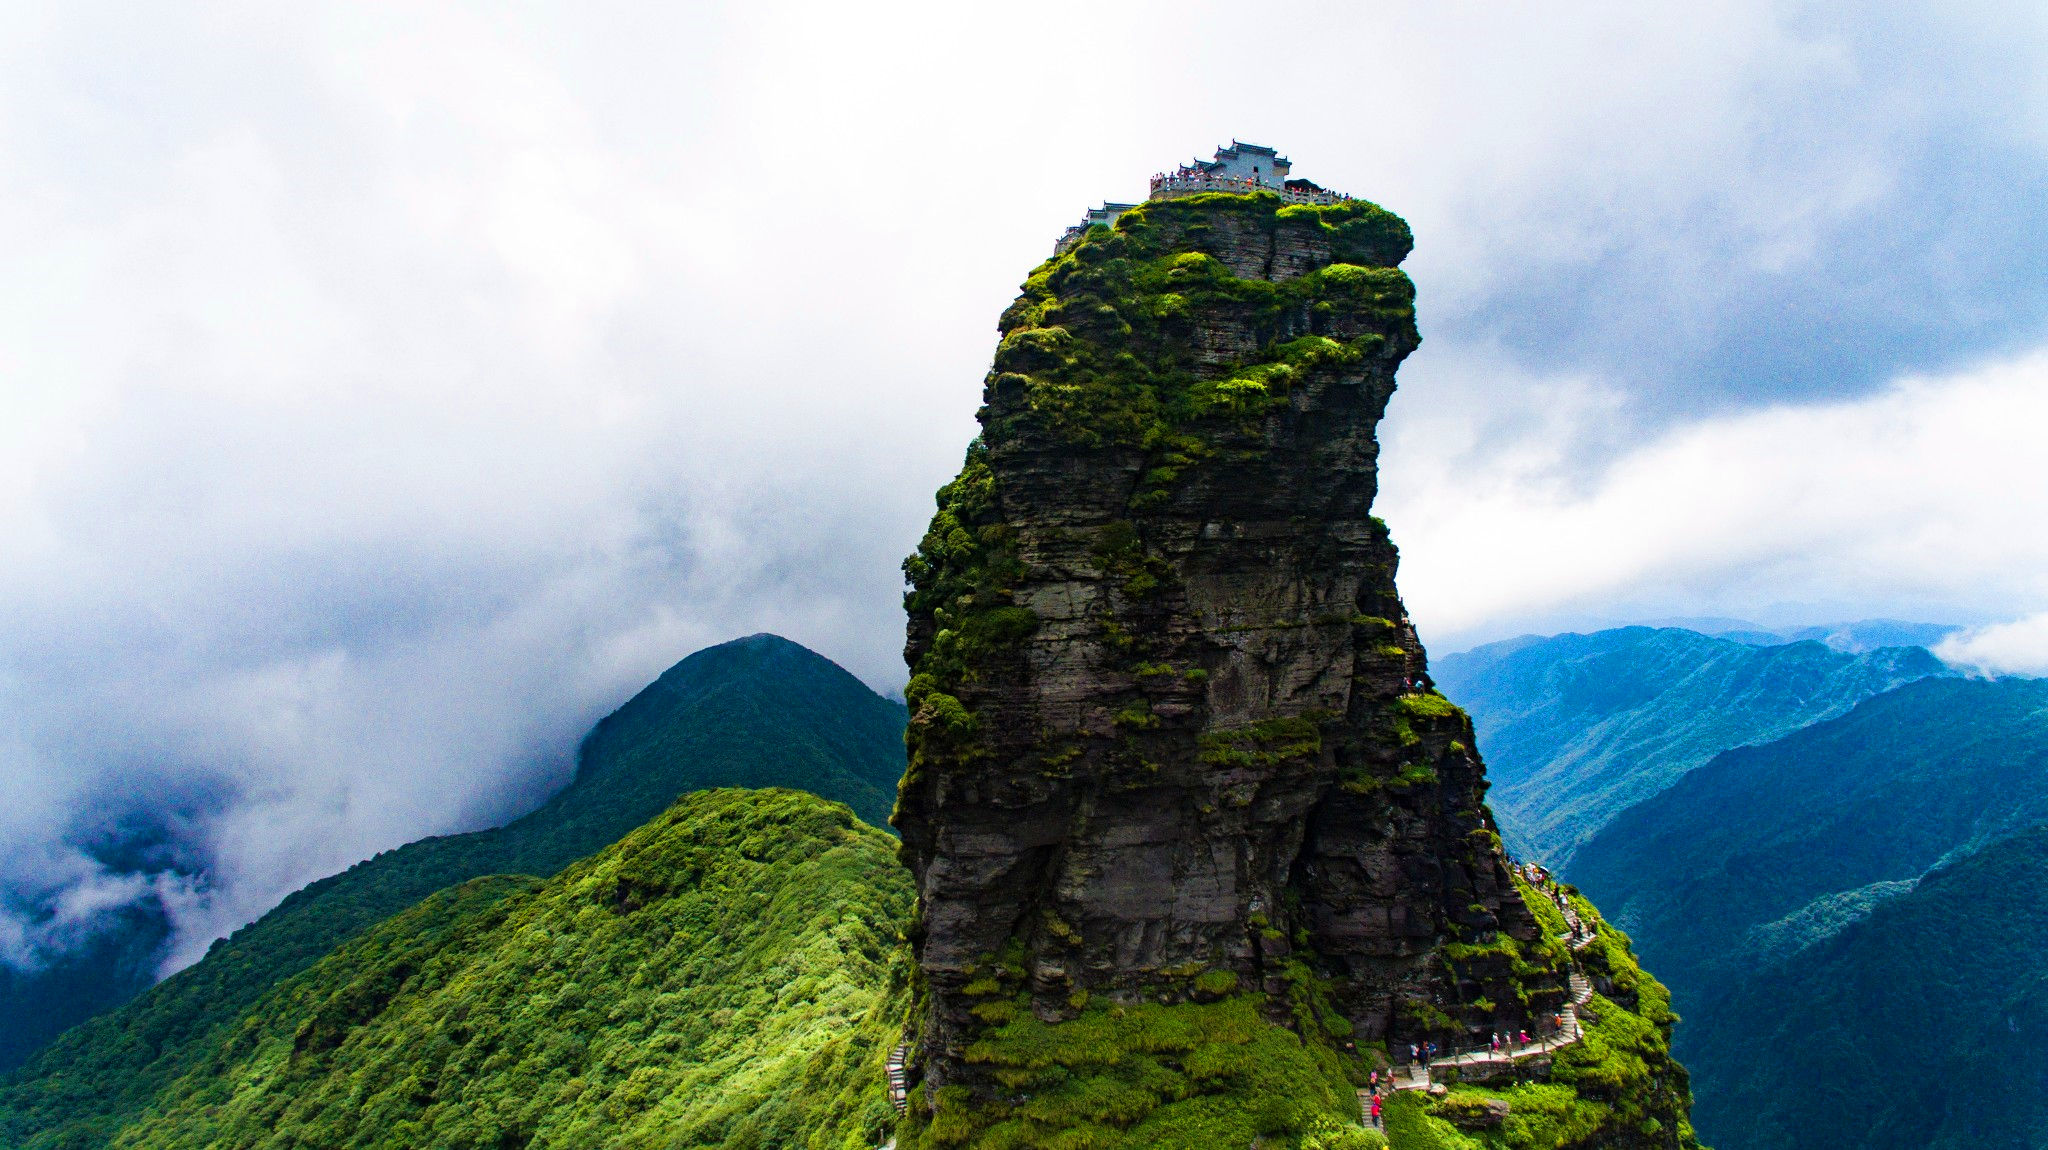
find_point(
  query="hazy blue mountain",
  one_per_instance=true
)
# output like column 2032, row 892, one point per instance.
column 760, row 711
column 1878, row 795
column 117, row 961
column 1870, row 634
column 1853, row 637
column 1577, row 728
column 1779, row 892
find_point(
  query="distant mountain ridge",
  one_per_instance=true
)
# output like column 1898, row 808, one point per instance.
column 754, row 712
column 1855, row 637
column 1761, row 833
column 1578, row 728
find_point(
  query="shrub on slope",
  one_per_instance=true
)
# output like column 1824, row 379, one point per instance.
column 728, row 975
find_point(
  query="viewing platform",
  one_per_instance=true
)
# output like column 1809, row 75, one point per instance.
column 1176, row 186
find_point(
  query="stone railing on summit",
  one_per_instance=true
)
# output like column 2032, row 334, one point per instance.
column 1175, row 185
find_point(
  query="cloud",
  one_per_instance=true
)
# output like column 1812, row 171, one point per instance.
column 1925, row 495
column 2016, row 648
column 390, row 393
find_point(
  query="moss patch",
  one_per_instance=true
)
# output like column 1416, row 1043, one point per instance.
column 1149, row 1076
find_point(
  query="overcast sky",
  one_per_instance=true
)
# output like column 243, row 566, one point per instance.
column 389, row 391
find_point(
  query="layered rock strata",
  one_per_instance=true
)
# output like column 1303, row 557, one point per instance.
column 1173, row 737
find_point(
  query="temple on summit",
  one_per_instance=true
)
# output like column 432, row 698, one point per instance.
column 1239, row 169
column 1253, row 163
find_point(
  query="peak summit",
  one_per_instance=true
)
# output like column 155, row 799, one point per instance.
column 1181, row 794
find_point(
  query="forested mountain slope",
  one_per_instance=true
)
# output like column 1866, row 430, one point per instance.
column 1775, row 889
column 1878, row 795
column 1828, row 1048
column 753, row 712
column 728, row 975
column 1577, row 728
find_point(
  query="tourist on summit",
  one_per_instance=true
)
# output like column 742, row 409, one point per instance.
column 1375, row 1109
column 1525, row 1038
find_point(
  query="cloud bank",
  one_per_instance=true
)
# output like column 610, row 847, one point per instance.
column 1922, row 499
column 2019, row 647
column 390, row 392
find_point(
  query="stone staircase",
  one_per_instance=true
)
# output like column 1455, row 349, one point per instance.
column 899, row 1092
column 1578, row 935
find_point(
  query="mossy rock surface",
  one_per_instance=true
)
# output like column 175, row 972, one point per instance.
column 1170, row 721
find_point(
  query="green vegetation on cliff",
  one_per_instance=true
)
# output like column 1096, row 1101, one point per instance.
column 753, row 712
column 1098, row 341
column 729, row 975
column 1192, row 836
column 1216, row 1071
column 1617, row 1086
column 1097, row 349
column 1151, row 1075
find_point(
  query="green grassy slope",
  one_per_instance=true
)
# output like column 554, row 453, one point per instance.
column 1216, row 1072
column 1577, row 728
column 756, row 711
column 728, row 975
column 1921, row 1026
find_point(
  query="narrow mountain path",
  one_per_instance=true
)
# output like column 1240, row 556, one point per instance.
column 1578, row 936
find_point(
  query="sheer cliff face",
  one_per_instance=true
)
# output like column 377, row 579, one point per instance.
column 1170, row 722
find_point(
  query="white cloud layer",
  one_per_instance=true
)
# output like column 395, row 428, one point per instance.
column 1923, row 498
column 390, row 391
column 2016, row 648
